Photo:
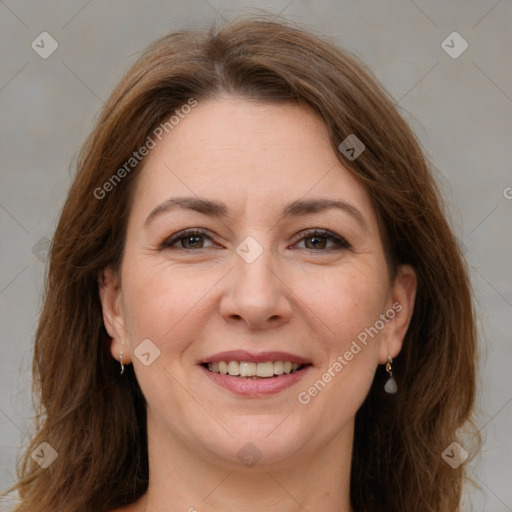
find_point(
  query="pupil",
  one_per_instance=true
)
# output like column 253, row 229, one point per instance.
column 195, row 241
column 317, row 242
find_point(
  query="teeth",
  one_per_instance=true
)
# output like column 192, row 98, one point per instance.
column 247, row 369
column 233, row 368
column 279, row 367
column 265, row 369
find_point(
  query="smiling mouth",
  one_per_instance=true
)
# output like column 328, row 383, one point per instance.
column 250, row 370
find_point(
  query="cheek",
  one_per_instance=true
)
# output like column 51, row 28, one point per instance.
column 157, row 300
column 343, row 301
column 164, row 305
column 172, row 306
column 344, row 308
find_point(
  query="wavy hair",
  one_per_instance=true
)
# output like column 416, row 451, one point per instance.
column 96, row 420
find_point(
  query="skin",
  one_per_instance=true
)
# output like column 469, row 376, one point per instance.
column 302, row 295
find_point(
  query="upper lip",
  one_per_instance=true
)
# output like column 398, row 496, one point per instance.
column 250, row 357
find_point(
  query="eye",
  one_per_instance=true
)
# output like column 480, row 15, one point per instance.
column 319, row 240
column 192, row 238
column 316, row 240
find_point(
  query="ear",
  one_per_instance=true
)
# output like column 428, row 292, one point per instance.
column 109, row 285
column 401, row 306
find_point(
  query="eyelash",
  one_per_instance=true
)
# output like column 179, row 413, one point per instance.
column 320, row 233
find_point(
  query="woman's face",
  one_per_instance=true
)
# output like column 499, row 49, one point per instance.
column 282, row 263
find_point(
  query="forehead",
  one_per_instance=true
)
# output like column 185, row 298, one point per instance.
column 247, row 153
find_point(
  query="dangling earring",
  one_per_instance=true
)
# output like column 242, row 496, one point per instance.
column 390, row 386
column 121, row 362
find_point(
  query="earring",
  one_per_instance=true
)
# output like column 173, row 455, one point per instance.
column 390, row 386
column 121, row 362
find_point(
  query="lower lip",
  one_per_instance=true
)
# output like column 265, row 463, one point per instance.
column 256, row 387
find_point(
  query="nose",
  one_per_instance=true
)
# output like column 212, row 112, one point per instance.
column 257, row 294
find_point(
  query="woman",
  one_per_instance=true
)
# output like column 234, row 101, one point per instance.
column 254, row 300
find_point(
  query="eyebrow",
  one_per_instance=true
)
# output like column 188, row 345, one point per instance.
column 218, row 209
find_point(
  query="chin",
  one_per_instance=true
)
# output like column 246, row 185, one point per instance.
column 257, row 441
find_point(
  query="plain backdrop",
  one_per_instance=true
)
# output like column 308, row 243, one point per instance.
column 461, row 109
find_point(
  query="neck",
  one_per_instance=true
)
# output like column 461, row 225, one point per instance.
column 182, row 480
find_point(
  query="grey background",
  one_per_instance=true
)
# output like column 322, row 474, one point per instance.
column 460, row 108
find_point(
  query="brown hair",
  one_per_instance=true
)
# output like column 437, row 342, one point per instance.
column 95, row 420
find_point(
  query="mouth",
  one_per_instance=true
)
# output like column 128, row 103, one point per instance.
column 252, row 370
column 255, row 375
